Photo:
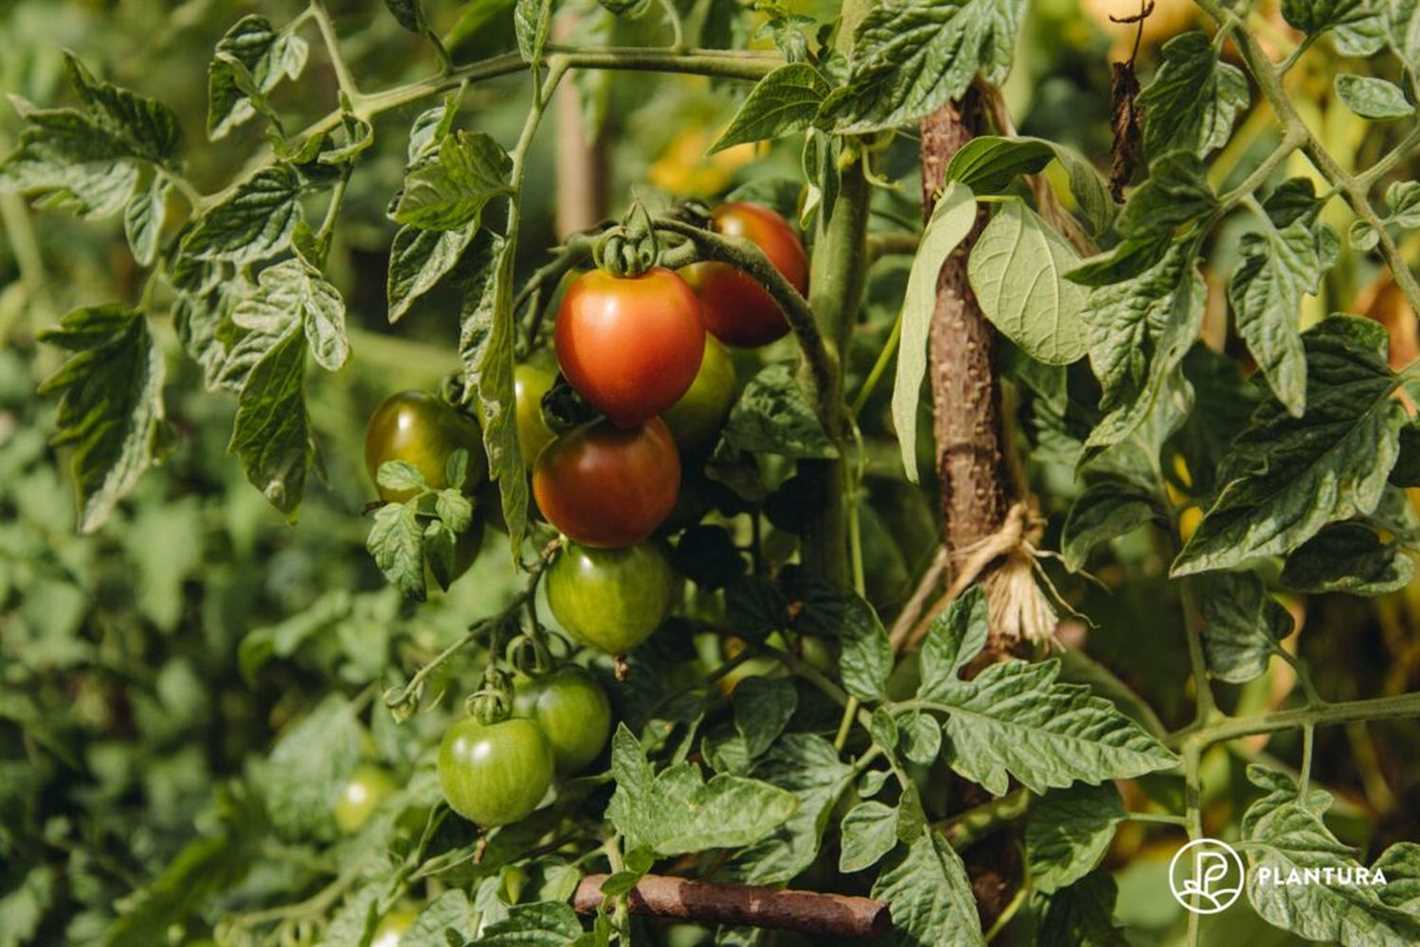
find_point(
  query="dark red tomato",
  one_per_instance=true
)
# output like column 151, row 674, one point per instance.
column 736, row 309
column 631, row 347
column 573, row 711
column 495, row 773
column 606, row 486
column 422, row 430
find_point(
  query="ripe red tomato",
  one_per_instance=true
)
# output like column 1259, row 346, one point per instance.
column 606, row 486
column 422, row 430
column 630, row 346
column 736, row 309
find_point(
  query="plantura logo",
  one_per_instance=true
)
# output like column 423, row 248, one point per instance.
column 1206, row 876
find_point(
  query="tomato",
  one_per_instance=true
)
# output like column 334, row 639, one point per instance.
column 736, row 309
column 695, row 420
column 610, row 599
column 530, row 383
column 466, row 548
column 573, row 711
column 606, row 486
column 361, row 796
column 631, row 347
column 393, row 926
column 421, row 430
column 494, row 773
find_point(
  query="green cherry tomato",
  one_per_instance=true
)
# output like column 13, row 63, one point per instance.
column 697, row 417
column 530, row 383
column 421, row 430
column 392, row 926
column 610, row 599
column 494, row 773
column 361, row 796
column 573, row 711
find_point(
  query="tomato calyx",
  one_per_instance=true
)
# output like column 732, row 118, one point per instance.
column 631, row 247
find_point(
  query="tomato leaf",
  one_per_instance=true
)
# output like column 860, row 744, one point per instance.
column 450, row 190
column 1016, row 719
column 272, row 432
column 929, row 895
column 1105, row 511
column 1372, row 98
column 294, row 292
column 1356, row 28
column 1082, row 915
column 865, row 656
column 911, row 56
column 763, row 707
column 254, row 222
column 409, row 13
column 1287, row 477
column 396, row 542
column 1348, row 557
column 951, row 221
column 783, row 102
column 1068, row 833
column 252, row 45
column 1243, row 625
column 869, row 832
column 1193, row 99
column 419, row 259
column 110, row 407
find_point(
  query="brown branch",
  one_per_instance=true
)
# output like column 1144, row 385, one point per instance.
column 807, row 912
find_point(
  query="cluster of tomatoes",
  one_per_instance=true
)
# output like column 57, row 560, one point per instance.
column 649, row 353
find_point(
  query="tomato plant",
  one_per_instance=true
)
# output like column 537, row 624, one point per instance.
column 895, row 472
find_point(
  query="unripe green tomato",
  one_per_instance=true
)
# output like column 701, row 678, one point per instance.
column 494, row 774
column 610, row 599
column 695, row 420
column 392, row 926
column 573, row 711
column 369, row 786
column 530, row 383
column 422, row 430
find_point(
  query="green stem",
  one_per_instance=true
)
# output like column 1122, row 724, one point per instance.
column 343, row 77
column 894, row 243
column 879, row 367
column 1162, row 818
column 963, row 830
column 1292, row 139
column 1231, row 728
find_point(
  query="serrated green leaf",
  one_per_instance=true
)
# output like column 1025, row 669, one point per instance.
column 1193, row 99
column 774, row 415
column 1348, row 557
column 401, row 476
column 1015, row 719
column 1294, row 838
column 929, row 896
column 1278, row 267
column 110, row 407
column 72, row 159
column 1279, row 789
column 869, row 832
column 532, row 19
column 1105, row 511
column 920, row 736
column 1017, row 271
column 308, row 765
column 783, row 102
column 912, row 56
column 486, row 335
column 865, row 655
column 674, row 812
column 1243, row 625
column 1372, row 98
column 1402, row 198
column 952, row 219
column 450, row 911
column 541, row 924
column 763, row 707
column 1287, row 477
column 1401, row 22
column 1355, row 29
column 808, row 766
column 396, row 542
column 1139, row 333
column 143, row 219
column 1082, row 915
column 148, row 127
column 295, row 291
column 1068, row 833
column 272, row 432
column 268, row 57
column 254, row 222
column 449, row 191
column 418, row 260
